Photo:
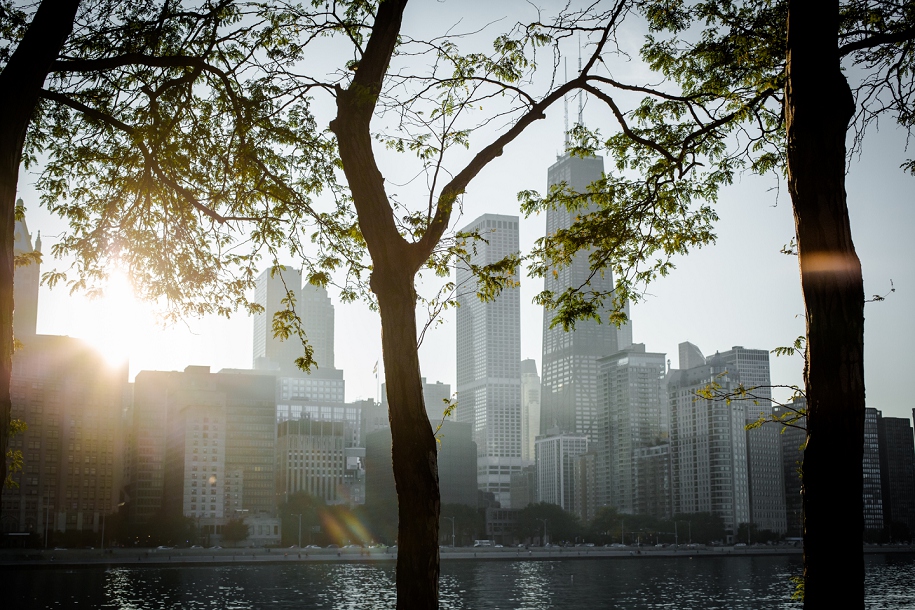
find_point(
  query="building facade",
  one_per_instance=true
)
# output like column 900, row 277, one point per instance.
column 764, row 461
column 530, row 408
column 793, row 439
column 897, row 472
column 72, row 402
column 201, row 445
column 569, row 394
column 488, row 359
column 556, row 457
column 873, row 490
column 708, row 447
column 633, row 424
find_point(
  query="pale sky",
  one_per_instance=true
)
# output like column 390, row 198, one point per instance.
column 740, row 291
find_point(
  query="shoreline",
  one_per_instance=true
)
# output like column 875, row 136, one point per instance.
column 153, row 558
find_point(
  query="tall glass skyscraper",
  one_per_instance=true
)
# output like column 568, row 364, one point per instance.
column 569, row 397
column 488, row 360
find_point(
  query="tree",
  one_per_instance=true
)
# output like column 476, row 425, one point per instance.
column 300, row 510
column 467, row 522
column 760, row 85
column 561, row 525
column 234, row 531
column 107, row 91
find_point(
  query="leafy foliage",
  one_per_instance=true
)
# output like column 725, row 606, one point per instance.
column 717, row 111
column 234, row 531
column 13, row 457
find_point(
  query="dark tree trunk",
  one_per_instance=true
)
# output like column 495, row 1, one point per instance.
column 414, row 448
column 395, row 262
column 20, row 82
column 818, row 108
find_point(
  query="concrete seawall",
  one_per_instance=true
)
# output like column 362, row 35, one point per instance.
column 86, row 558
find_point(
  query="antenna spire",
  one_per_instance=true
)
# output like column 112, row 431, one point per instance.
column 580, row 92
column 565, row 101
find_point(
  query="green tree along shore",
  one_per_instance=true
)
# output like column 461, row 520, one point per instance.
column 181, row 143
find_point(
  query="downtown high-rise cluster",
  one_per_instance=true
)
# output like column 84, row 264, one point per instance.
column 605, row 424
column 610, row 424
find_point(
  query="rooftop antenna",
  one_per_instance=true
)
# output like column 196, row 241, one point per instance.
column 580, row 92
column 565, row 101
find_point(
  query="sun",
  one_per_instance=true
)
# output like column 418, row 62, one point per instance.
column 119, row 320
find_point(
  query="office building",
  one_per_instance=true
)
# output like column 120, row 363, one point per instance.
column 708, row 447
column 793, row 438
column 632, row 427
column 72, row 401
column 555, row 459
column 489, row 357
column 310, row 458
column 873, row 490
column 897, row 472
column 272, row 355
column 202, row 445
column 569, row 397
column 585, row 472
column 766, row 475
column 530, row 408
column 26, row 280
column 457, row 466
column 524, row 487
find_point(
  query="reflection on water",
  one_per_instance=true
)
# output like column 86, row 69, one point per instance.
column 656, row 583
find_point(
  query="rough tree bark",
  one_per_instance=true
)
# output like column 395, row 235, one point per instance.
column 20, row 82
column 818, row 108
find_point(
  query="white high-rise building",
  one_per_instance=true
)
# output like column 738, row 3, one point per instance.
column 569, row 397
column 324, row 384
column 530, row 408
column 556, row 455
column 488, row 360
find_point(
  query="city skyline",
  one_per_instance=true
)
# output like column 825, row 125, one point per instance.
column 684, row 306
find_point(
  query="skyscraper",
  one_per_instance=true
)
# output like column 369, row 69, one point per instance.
column 530, row 408
column 897, row 472
column 324, row 384
column 269, row 352
column 873, row 490
column 202, row 445
column 766, row 475
column 72, row 401
column 633, row 420
column 557, row 454
column 488, row 360
column 569, row 383
column 25, row 282
column 708, row 447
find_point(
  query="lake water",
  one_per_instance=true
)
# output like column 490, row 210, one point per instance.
column 705, row 582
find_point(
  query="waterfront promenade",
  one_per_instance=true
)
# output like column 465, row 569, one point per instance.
column 73, row 558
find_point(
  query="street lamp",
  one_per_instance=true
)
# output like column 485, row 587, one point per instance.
column 452, row 530
column 544, row 521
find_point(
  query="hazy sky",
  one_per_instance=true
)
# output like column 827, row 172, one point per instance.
column 740, row 291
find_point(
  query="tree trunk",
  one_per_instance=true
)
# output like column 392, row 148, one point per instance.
column 818, row 108
column 413, row 445
column 20, row 82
